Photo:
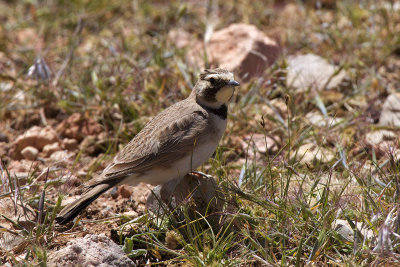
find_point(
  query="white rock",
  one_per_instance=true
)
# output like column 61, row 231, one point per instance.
column 131, row 214
column 92, row 250
column 315, row 118
column 383, row 141
column 378, row 137
column 62, row 155
column 310, row 70
column 307, row 153
column 29, row 153
column 51, row 148
column 390, row 115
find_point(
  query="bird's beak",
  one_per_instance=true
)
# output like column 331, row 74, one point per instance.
column 233, row 83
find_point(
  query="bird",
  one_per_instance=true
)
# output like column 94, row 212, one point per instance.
column 174, row 143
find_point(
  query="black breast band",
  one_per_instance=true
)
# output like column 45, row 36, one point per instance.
column 221, row 112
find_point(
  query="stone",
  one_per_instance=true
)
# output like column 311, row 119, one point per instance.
column 19, row 166
column 141, row 193
column 390, row 115
column 130, row 214
column 70, row 143
column 36, row 136
column 77, row 127
column 344, row 229
column 30, row 153
column 51, row 148
column 376, row 137
column 382, row 141
column 92, row 145
column 62, row 156
column 92, row 250
column 125, row 191
column 196, row 191
column 312, row 71
column 316, row 119
column 3, row 138
column 308, row 153
column 259, row 143
column 241, row 48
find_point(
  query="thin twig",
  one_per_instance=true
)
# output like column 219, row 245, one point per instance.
column 64, row 65
column 41, row 202
column 43, row 116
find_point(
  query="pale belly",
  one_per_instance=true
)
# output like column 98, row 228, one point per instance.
column 179, row 169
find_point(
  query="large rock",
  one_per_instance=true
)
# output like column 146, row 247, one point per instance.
column 390, row 115
column 92, row 250
column 36, row 137
column 77, row 127
column 196, row 191
column 312, row 71
column 241, row 48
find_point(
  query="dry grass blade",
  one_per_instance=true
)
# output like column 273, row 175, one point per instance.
column 42, row 199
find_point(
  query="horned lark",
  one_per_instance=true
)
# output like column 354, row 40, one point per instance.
column 171, row 145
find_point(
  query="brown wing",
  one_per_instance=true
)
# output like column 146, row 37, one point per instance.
column 165, row 139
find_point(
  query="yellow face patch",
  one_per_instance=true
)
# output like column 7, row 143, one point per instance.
column 224, row 94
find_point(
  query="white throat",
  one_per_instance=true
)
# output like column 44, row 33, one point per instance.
column 224, row 95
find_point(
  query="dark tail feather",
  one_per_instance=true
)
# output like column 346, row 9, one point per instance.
column 69, row 212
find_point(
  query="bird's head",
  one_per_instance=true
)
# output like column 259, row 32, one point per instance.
column 215, row 87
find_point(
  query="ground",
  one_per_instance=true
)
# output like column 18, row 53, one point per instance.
column 300, row 159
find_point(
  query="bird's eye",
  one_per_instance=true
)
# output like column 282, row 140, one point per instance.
column 212, row 80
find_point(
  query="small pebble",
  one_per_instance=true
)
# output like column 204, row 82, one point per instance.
column 3, row 138
column 30, row 153
column 125, row 191
column 70, row 144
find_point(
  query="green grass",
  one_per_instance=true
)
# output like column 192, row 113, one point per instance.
column 112, row 61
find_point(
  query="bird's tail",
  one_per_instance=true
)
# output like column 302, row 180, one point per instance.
column 70, row 211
